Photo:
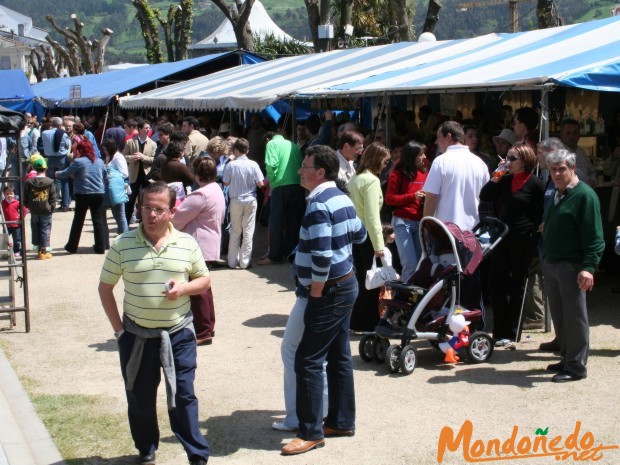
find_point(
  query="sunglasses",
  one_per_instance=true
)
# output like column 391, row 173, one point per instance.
column 512, row 158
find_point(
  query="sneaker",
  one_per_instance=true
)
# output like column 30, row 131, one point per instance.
column 44, row 255
column 503, row 342
column 35, row 248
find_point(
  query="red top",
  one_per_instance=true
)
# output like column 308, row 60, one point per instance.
column 11, row 212
column 519, row 180
column 401, row 192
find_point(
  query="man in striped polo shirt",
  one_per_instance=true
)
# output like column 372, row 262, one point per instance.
column 156, row 263
column 325, row 274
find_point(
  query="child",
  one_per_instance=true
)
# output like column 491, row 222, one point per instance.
column 40, row 198
column 388, row 238
column 11, row 210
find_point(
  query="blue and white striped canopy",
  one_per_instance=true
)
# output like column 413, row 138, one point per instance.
column 580, row 54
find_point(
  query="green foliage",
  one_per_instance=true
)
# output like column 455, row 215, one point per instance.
column 270, row 47
column 126, row 44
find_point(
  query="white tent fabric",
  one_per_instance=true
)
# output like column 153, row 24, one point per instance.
column 526, row 59
column 261, row 23
column 494, row 61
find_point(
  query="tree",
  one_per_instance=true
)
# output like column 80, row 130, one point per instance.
column 176, row 26
column 80, row 55
column 547, row 14
column 150, row 30
column 432, row 16
column 239, row 16
column 271, row 48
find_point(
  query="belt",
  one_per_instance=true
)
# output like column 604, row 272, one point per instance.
column 341, row 279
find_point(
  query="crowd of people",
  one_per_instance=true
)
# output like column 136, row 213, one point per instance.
column 331, row 193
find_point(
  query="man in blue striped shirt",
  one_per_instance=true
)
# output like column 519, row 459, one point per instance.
column 325, row 273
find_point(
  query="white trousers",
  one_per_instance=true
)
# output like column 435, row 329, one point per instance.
column 291, row 339
column 242, row 222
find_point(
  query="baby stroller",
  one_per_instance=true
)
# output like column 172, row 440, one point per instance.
column 423, row 308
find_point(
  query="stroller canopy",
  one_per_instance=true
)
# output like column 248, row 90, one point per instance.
column 439, row 238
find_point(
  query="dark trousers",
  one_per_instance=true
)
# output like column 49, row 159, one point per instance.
column 83, row 203
column 326, row 338
column 569, row 314
column 203, row 310
column 141, row 402
column 16, row 236
column 287, row 205
column 136, row 187
column 365, row 315
column 509, row 267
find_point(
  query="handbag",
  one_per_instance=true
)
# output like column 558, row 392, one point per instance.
column 377, row 276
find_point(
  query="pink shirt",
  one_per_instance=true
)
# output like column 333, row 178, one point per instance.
column 201, row 215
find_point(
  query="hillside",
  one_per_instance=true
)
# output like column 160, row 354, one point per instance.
column 127, row 45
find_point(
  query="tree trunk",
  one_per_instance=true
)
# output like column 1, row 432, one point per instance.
column 346, row 15
column 101, row 46
column 547, row 14
column 183, row 22
column 432, row 16
column 314, row 19
column 36, row 62
column 399, row 10
column 240, row 20
column 150, row 30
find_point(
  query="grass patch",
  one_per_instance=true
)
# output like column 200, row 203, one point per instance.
column 81, row 428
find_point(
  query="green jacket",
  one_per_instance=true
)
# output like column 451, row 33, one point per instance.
column 573, row 230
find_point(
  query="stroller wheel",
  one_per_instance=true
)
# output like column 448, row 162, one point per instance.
column 480, row 347
column 381, row 347
column 407, row 360
column 367, row 347
column 392, row 358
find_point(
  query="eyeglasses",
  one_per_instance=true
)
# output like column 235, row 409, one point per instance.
column 158, row 211
column 305, row 167
column 512, row 158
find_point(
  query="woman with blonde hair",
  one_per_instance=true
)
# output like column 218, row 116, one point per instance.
column 367, row 197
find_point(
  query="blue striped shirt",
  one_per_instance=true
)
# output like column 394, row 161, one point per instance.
column 328, row 230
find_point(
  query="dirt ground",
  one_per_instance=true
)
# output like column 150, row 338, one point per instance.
column 71, row 350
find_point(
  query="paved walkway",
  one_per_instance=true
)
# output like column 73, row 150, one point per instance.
column 23, row 438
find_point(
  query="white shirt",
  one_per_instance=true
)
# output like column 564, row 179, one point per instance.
column 346, row 170
column 457, row 177
column 119, row 163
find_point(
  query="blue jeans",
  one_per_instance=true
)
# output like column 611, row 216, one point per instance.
column 118, row 212
column 55, row 164
column 41, row 226
column 16, row 235
column 326, row 338
column 142, row 409
column 408, row 244
column 290, row 341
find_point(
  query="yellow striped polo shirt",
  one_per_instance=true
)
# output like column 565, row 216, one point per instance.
column 145, row 272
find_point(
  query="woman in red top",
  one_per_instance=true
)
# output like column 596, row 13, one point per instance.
column 405, row 195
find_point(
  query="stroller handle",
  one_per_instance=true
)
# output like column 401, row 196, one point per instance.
column 496, row 229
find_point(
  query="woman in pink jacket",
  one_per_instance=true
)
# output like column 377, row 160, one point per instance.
column 201, row 215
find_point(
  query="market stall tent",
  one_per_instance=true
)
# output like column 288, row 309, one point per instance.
column 101, row 89
column 16, row 93
column 525, row 60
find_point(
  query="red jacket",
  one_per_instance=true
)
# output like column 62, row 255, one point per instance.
column 11, row 212
column 401, row 195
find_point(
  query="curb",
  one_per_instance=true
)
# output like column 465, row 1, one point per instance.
column 24, row 440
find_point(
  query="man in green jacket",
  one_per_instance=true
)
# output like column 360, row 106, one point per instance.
column 572, row 247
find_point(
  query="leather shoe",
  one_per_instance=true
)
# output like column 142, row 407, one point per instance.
column 147, row 459
column 330, row 432
column 299, row 446
column 556, row 367
column 551, row 346
column 198, row 462
column 567, row 376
